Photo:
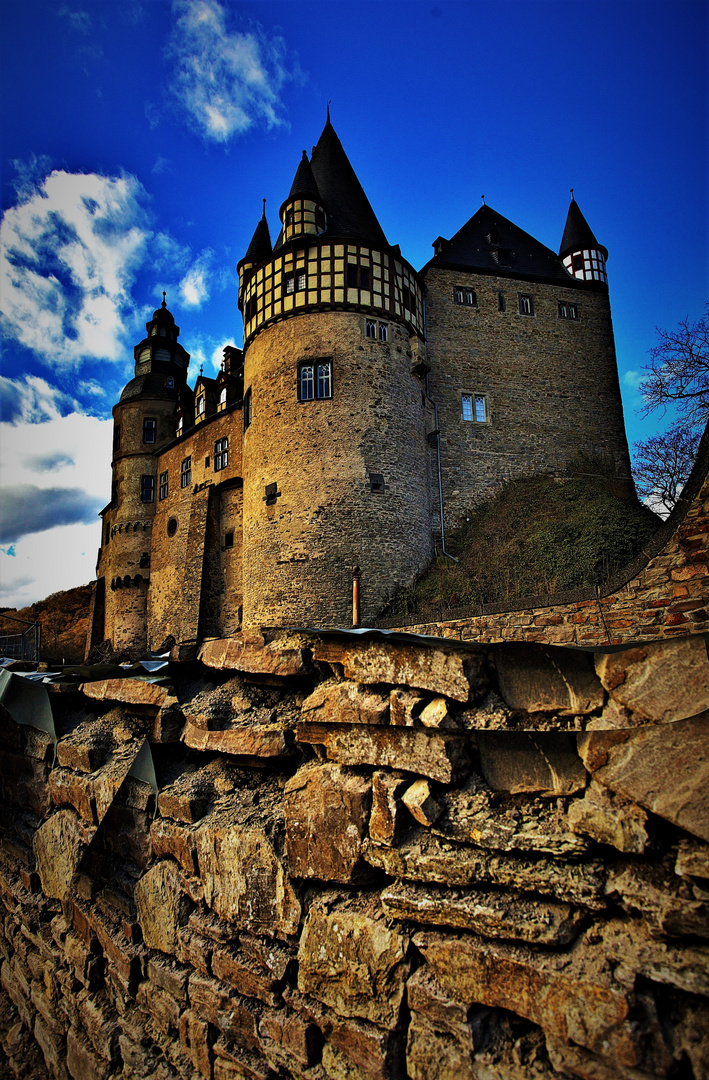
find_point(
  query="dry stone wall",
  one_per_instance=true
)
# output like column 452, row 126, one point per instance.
column 332, row 856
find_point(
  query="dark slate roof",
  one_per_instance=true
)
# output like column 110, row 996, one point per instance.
column 304, row 184
column 260, row 246
column 348, row 209
column 491, row 244
column 577, row 233
column 151, row 385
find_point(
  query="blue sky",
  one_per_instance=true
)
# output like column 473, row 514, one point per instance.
column 139, row 137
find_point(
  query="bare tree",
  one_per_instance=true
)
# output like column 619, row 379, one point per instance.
column 678, row 373
column 663, row 464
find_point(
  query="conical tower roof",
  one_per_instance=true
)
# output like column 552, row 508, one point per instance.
column 260, row 247
column 304, row 184
column 348, row 209
column 578, row 234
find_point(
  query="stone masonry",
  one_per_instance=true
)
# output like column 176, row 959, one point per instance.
column 328, row 856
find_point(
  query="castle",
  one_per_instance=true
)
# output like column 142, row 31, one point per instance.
column 371, row 406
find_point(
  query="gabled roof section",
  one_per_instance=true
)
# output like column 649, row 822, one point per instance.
column 578, row 234
column 491, row 244
column 348, row 209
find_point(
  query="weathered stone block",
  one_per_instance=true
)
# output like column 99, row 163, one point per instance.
column 326, row 811
column 167, row 838
column 664, row 768
column 53, row 1047
column 609, row 819
column 440, row 756
column 245, row 976
column 544, row 762
column 384, row 818
column 81, row 1061
column 659, row 897
column 542, row 678
column 59, row 846
column 431, row 859
column 350, row 960
column 242, row 738
column 346, row 703
column 662, row 680
column 441, row 671
column 692, row 859
column 420, row 802
column 237, row 655
column 441, row 1053
column 244, row 881
column 506, row 915
column 196, row 1042
column 163, row 906
column 404, row 706
column 130, row 692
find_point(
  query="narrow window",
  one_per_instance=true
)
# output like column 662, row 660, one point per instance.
column 383, row 331
column 186, row 472
column 271, row 494
column 108, row 534
column 467, row 400
column 221, row 454
column 200, row 405
column 301, row 280
column 324, row 387
column 480, row 411
column 526, row 304
column 117, row 437
column 465, row 296
column 144, row 560
column 364, row 277
column 222, row 397
column 150, row 427
column 147, row 489
column 170, row 383
column 250, row 309
column 228, row 540
column 501, row 302
column 290, row 284
column 568, row 311
column 307, row 382
column 376, row 481
column 247, row 408
column 563, row 311
column 164, row 487
column 573, row 311
column 371, row 328
column 577, row 262
column 180, row 424
column 351, row 276
column 408, row 298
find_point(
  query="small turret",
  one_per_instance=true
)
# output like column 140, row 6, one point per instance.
column 303, row 212
column 583, row 257
column 257, row 252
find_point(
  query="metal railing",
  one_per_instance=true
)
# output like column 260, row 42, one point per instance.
column 24, row 644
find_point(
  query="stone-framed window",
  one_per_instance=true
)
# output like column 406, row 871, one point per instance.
column 568, row 311
column 247, row 408
column 186, row 472
column 163, row 489
column 221, row 454
column 147, row 489
column 376, row 482
column 501, row 302
column 228, row 540
column 376, row 331
column 117, row 437
column 314, row 380
column 525, row 304
column 462, row 295
column 474, row 408
column 150, row 429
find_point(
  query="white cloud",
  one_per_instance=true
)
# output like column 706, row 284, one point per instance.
column 68, row 257
column 45, row 562
column 32, row 400
column 226, row 81
column 632, row 379
column 194, row 287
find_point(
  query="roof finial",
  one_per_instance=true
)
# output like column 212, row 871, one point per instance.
column 483, row 199
column 572, row 194
column 201, row 369
column 263, row 214
column 328, row 110
column 164, row 304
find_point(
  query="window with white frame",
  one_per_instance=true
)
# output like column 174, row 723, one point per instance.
column 474, row 408
column 164, row 487
column 150, row 428
column 465, row 296
column 200, row 405
column 314, row 380
column 376, row 331
column 186, row 472
column 526, row 304
column 221, row 454
column 568, row 311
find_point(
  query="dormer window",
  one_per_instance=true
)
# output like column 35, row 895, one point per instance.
column 222, row 396
column 200, row 406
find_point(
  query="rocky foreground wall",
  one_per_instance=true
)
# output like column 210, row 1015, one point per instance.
column 331, row 857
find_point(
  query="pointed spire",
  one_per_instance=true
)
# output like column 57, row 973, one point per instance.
column 577, row 233
column 260, row 247
column 304, row 185
column 349, row 211
column 164, row 299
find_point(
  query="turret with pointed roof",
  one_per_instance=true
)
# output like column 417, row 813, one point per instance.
column 582, row 255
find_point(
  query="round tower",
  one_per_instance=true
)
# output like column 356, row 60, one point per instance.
column 143, row 422
column 583, row 257
column 335, row 457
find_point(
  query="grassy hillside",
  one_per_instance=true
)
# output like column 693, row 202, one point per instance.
column 536, row 535
column 64, row 617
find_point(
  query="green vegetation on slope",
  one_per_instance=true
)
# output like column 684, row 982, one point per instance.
column 537, row 535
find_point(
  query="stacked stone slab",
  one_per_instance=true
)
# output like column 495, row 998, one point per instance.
column 371, row 858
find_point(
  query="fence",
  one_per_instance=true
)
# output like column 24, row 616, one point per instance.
column 26, row 641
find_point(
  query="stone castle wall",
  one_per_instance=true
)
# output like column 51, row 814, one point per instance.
column 550, row 383
column 373, row 859
column 325, row 517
